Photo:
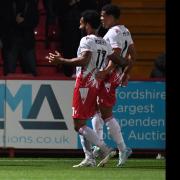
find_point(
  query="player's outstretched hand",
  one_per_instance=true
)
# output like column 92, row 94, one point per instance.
column 54, row 58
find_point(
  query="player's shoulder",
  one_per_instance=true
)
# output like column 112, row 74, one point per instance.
column 124, row 30
column 123, row 27
column 114, row 31
column 87, row 39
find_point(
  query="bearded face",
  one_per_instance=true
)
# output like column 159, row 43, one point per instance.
column 82, row 27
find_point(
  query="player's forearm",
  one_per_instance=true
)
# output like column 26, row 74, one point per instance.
column 131, row 58
column 82, row 60
column 119, row 60
column 78, row 61
column 124, row 62
column 109, row 67
column 128, row 68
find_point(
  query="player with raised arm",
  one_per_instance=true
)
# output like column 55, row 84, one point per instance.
column 121, row 41
column 92, row 53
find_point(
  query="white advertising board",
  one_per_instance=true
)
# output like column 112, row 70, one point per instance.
column 38, row 114
column 2, row 111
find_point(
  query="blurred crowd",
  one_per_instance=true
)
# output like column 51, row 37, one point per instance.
column 19, row 18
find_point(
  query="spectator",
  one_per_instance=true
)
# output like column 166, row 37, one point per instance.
column 51, row 25
column 19, row 18
column 159, row 69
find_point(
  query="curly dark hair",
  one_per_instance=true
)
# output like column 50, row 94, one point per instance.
column 111, row 9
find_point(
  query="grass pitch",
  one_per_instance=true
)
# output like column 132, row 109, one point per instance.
column 61, row 169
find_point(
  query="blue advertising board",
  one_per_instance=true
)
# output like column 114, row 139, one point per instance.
column 140, row 111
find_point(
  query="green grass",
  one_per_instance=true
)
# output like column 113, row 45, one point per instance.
column 61, row 169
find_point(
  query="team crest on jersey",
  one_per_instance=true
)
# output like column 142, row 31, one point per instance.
column 107, row 86
column 83, row 93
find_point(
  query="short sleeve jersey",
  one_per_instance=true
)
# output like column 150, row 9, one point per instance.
column 99, row 48
column 119, row 37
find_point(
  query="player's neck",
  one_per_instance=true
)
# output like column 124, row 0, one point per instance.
column 115, row 23
column 92, row 32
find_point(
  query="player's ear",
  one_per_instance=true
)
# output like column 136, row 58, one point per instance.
column 87, row 25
